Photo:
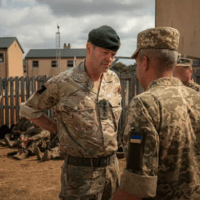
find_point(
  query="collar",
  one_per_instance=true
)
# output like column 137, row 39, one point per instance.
column 79, row 75
column 192, row 82
column 166, row 81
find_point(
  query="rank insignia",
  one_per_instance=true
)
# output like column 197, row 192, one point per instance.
column 103, row 109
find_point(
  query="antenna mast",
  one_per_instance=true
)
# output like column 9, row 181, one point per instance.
column 58, row 53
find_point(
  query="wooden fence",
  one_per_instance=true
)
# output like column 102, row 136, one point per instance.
column 130, row 88
column 15, row 90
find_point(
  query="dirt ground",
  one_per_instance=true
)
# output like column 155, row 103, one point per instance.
column 30, row 179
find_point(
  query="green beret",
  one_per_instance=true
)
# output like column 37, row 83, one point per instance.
column 105, row 37
column 157, row 38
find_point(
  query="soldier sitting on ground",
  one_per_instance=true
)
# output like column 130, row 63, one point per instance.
column 52, row 152
column 34, row 136
column 13, row 139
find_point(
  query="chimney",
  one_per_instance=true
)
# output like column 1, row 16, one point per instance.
column 67, row 46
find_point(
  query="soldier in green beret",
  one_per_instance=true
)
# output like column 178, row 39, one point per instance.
column 162, row 126
column 183, row 70
column 87, row 100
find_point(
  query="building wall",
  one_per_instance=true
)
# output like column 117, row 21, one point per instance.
column 45, row 68
column 3, row 64
column 183, row 15
column 15, row 60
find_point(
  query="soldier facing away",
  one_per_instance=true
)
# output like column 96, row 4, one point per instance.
column 162, row 126
column 87, row 101
column 183, row 70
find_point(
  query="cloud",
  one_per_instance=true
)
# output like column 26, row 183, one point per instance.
column 34, row 23
column 77, row 8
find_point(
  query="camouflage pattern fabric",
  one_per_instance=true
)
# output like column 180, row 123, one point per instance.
column 56, row 154
column 87, row 118
column 157, row 38
column 194, row 86
column 81, row 131
column 91, row 183
column 40, row 137
column 22, row 125
column 169, row 114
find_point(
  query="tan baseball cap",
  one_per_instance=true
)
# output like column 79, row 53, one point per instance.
column 157, row 38
column 184, row 62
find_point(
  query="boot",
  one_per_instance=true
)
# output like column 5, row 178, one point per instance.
column 47, row 155
column 8, row 142
column 12, row 153
column 38, row 153
column 21, row 155
column 2, row 143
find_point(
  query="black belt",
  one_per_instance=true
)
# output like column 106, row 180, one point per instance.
column 90, row 162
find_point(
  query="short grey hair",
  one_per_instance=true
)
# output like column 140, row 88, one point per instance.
column 165, row 58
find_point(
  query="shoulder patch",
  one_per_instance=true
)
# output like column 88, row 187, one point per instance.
column 40, row 91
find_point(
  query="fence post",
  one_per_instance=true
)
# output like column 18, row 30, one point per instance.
column 17, row 97
column 6, row 101
column 1, row 103
column 11, row 121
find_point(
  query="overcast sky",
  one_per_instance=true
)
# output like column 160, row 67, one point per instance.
column 34, row 22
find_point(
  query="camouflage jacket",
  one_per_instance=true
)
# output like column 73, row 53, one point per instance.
column 22, row 125
column 87, row 117
column 194, row 86
column 36, row 133
column 168, row 113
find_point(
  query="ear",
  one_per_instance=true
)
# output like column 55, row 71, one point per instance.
column 88, row 47
column 191, row 72
column 145, row 64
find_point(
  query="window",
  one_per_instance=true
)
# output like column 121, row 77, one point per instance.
column 35, row 64
column 53, row 63
column 70, row 63
column 1, row 57
column 24, row 69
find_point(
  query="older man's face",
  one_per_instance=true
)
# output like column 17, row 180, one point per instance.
column 184, row 73
column 100, row 57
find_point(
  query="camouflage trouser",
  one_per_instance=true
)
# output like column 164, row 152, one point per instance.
column 42, row 144
column 17, row 142
column 87, row 183
column 55, row 153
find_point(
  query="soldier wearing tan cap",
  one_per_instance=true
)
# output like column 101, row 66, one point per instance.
column 162, row 126
column 183, row 70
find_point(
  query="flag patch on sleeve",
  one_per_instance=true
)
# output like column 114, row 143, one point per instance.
column 136, row 139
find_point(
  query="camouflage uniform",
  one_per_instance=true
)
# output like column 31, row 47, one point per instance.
column 40, row 137
column 172, row 128
column 12, row 140
column 87, row 120
column 194, row 86
column 163, row 126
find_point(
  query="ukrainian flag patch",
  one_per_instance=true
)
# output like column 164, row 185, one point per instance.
column 136, row 139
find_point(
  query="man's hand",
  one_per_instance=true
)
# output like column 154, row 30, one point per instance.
column 24, row 142
column 16, row 131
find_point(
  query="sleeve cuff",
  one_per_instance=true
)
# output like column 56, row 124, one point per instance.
column 138, row 185
column 28, row 112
